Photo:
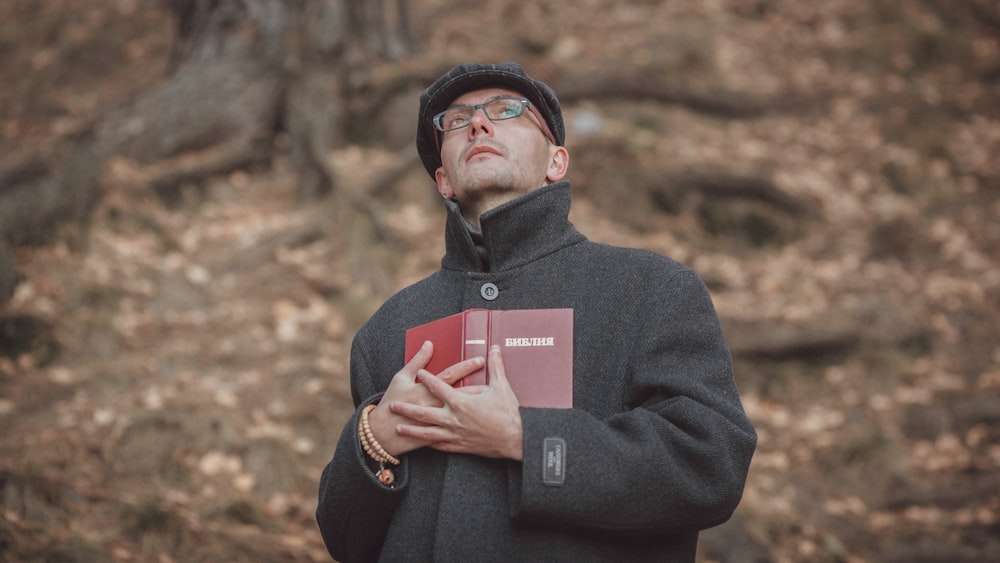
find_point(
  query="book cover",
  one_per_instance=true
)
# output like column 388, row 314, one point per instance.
column 537, row 347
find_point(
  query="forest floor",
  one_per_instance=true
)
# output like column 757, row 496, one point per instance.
column 174, row 376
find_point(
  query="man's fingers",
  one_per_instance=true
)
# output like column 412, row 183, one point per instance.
column 421, row 415
column 497, row 371
column 427, row 434
column 435, row 384
column 462, row 369
column 420, row 359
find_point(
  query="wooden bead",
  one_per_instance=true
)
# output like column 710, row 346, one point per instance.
column 386, row 476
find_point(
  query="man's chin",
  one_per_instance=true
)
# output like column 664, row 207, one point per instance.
column 483, row 179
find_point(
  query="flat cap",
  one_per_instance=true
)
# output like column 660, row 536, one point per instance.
column 476, row 76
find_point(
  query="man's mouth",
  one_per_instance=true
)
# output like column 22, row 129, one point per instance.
column 480, row 149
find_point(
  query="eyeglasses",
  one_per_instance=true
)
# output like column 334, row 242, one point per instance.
column 457, row 117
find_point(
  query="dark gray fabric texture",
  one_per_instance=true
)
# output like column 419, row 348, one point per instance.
column 657, row 444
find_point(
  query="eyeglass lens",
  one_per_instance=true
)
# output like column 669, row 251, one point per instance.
column 496, row 110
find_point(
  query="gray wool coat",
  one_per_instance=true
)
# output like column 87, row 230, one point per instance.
column 656, row 447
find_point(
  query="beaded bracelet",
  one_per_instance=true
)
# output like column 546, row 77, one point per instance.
column 375, row 450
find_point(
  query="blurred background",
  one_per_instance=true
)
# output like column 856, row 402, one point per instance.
column 201, row 200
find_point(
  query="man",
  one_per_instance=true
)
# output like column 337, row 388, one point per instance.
column 656, row 446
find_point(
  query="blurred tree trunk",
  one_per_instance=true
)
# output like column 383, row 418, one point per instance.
column 242, row 72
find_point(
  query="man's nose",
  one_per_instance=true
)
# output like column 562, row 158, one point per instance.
column 479, row 122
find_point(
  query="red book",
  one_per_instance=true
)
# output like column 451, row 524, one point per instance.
column 537, row 347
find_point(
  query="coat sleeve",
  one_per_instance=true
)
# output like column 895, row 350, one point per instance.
column 354, row 508
column 676, row 459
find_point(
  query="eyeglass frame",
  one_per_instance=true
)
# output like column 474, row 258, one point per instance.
column 438, row 118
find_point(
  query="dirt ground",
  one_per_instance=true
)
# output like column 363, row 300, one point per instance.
column 173, row 380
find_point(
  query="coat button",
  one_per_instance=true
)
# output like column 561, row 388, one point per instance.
column 489, row 291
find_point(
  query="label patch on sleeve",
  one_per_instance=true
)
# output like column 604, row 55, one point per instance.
column 554, row 463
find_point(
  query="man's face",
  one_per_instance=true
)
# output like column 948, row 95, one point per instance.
column 488, row 163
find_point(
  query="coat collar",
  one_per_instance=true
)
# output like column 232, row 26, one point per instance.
column 513, row 234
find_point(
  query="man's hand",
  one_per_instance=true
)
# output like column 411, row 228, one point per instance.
column 405, row 389
column 483, row 420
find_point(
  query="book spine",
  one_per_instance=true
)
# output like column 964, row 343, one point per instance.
column 475, row 342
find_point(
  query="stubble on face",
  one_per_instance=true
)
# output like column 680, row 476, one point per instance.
column 485, row 180
column 486, row 185
column 495, row 165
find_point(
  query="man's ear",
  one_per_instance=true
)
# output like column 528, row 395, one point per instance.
column 444, row 186
column 558, row 164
